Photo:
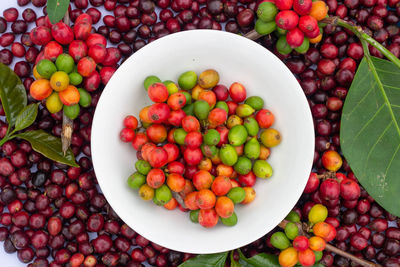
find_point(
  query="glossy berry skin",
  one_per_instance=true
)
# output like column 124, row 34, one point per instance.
column 329, row 189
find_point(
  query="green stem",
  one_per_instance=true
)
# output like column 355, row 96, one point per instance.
column 5, row 139
column 363, row 36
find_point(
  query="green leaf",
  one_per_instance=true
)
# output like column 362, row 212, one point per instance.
column 56, row 9
column 259, row 260
column 12, row 94
column 206, row 260
column 49, row 146
column 26, row 117
column 370, row 133
column 233, row 262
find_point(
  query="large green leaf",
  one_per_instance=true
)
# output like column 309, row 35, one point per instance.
column 49, row 146
column 259, row 260
column 56, row 9
column 370, row 132
column 26, row 117
column 206, row 260
column 12, row 94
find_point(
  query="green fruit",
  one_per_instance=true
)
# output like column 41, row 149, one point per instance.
column 282, row 46
column 167, row 82
column 291, row 230
column 189, row 109
column 194, row 216
column 222, row 105
column 65, row 62
column 179, row 136
column 209, row 151
column 244, row 110
column 188, row 97
column 318, row 255
column 255, row 102
column 280, row 241
column 53, row 103
column 187, row 80
column 251, row 126
column 157, row 202
column 143, row 166
column 230, row 221
column 237, row 135
column 136, row 180
column 243, row 165
column 293, row 217
column 75, row 78
column 150, row 80
column 252, row 148
column 85, row 98
column 163, row 194
column 201, row 109
column 318, row 213
column 267, row 11
column 236, row 194
column 279, row 31
column 172, row 88
column 46, row 68
column 146, row 124
column 211, row 137
column 262, row 169
column 228, row 155
column 264, row 28
column 303, row 48
column 72, row 112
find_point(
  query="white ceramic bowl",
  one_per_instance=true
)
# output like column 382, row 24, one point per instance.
column 236, row 59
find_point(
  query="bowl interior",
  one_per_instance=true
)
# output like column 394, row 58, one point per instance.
column 236, row 59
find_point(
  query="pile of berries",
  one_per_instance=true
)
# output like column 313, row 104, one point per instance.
column 193, row 155
column 58, row 74
column 295, row 22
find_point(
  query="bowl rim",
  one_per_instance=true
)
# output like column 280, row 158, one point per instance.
column 308, row 121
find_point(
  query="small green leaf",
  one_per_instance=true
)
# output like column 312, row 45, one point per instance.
column 49, row 146
column 370, row 132
column 206, row 260
column 259, row 260
column 12, row 94
column 56, row 9
column 26, row 117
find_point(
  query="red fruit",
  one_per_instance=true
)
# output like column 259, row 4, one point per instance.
column 106, row 73
column 295, row 37
column 221, row 92
column 175, row 117
column 62, row 33
column 217, row 116
column 302, row 7
column 159, row 112
column 223, row 133
column 208, row 218
column 309, row 25
column 127, row 135
column 193, row 139
column 158, row 92
column 78, row 50
column 95, row 38
column 130, row 122
column 41, row 35
column 175, row 167
column 300, row 243
column 237, row 92
column 312, row 183
column 329, row 189
column 265, row 118
column 331, row 160
column 84, row 18
column 193, row 156
column 176, row 101
column 232, row 107
column 247, row 180
column 155, row 178
column 54, row 226
column 98, row 52
column 82, row 30
column 112, row 57
column 86, row 66
column 306, row 258
column 287, row 19
column 139, row 140
column 349, row 189
column 158, row 157
column 76, row 260
column 173, row 153
column 52, row 50
column 221, row 185
column 190, row 124
column 157, row 133
column 92, row 82
column 284, row 4
column 146, row 149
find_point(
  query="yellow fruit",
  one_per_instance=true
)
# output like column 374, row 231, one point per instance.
column 59, row 81
column 40, row 89
column 53, row 103
column 36, row 74
column 288, row 257
column 146, row 192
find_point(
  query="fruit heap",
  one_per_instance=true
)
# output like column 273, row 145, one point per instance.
column 304, row 250
column 56, row 73
column 192, row 150
column 295, row 22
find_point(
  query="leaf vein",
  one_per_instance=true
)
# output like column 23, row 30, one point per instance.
column 361, row 100
column 391, row 160
column 369, row 121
